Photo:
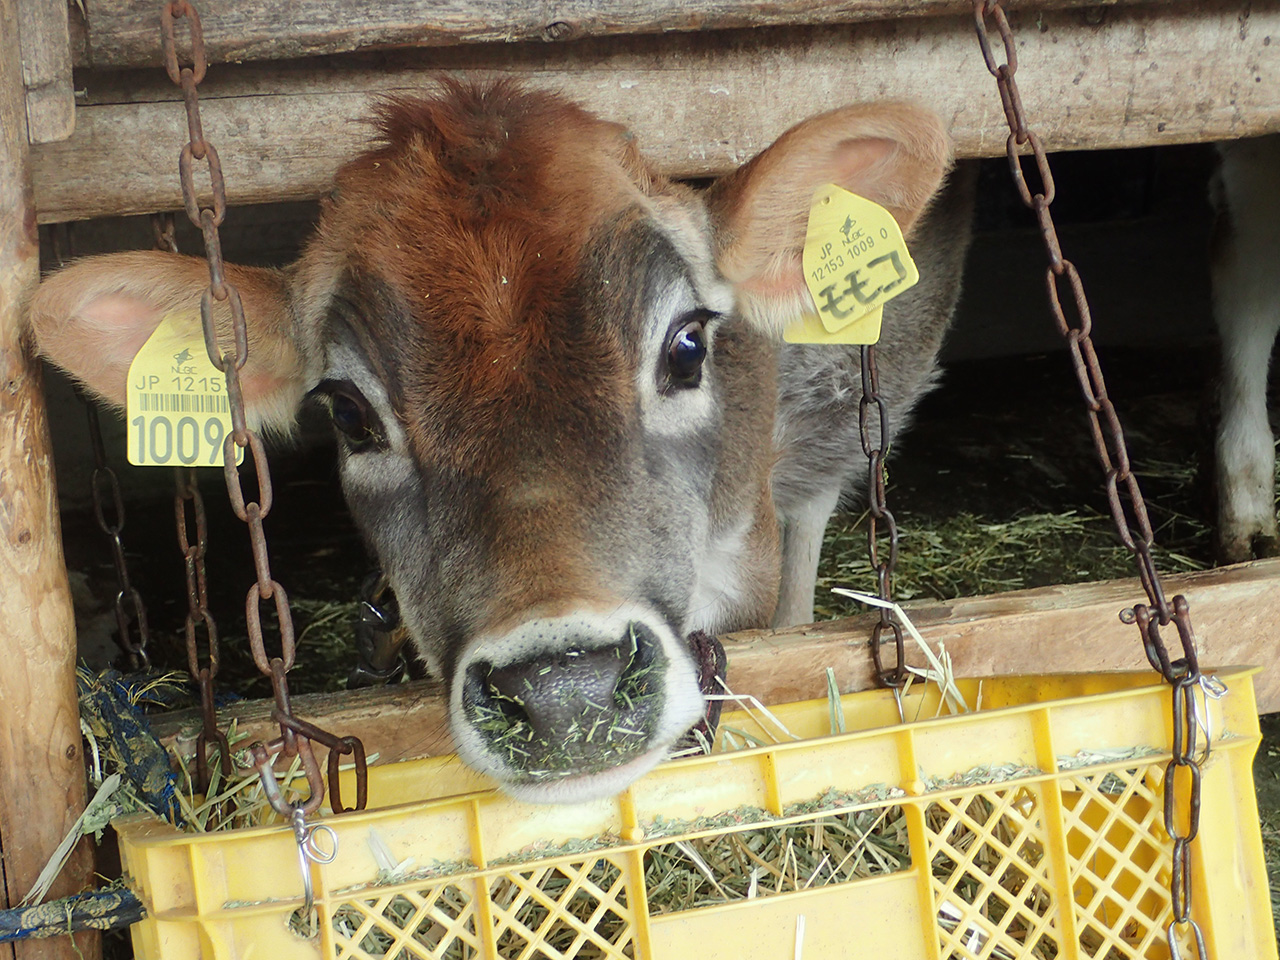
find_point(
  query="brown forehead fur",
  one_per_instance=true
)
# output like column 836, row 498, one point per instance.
column 473, row 212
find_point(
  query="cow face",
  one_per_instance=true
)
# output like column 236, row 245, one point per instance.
column 551, row 372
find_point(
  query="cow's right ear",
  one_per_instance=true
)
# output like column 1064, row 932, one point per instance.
column 93, row 316
column 895, row 154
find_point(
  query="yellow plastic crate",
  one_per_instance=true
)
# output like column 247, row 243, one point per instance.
column 1034, row 826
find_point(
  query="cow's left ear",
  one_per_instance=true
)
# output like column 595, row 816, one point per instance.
column 93, row 316
column 893, row 153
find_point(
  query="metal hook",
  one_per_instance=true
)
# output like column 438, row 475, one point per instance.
column 310, row 851
column 1212, row 689
column 309, row 848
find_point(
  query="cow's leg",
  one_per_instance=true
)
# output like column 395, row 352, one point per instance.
column 802, row 531
column 1245, row 266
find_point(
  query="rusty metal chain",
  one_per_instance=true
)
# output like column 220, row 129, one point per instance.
column 164, row 231
column 188, row 509
column 878, row 514
column 1132, row 524
column 131, row 612
column 295, row 736
column 381, row 635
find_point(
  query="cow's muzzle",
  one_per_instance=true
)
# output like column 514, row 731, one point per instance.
column 575, row 707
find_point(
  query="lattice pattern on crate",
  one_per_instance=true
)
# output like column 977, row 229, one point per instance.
column 434, row 923
column 1120, row 859
column 990, row 877
column 570, row 910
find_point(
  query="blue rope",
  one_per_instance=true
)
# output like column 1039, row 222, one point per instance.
column 108, row 704
column 111, row 705
column 109, row 908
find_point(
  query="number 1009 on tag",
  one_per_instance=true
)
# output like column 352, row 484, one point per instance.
column 179, row 424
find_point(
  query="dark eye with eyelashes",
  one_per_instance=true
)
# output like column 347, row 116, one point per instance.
column 352, row 415
column 687, row 349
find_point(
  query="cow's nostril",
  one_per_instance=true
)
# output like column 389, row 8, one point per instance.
column 575, row 709
column 561, row 694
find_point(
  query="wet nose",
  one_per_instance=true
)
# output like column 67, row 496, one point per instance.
column 553, row 695
column 582, row 708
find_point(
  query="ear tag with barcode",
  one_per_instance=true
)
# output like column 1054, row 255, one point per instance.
column 176, row 399
column 855, row 261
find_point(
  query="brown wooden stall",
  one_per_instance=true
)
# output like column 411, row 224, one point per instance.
column 283, row 100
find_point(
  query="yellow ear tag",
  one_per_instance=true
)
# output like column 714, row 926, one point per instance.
column 178, row 413
column 809, row 329
column 855, row 261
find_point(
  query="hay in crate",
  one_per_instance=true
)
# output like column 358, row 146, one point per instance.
column 835, row 838
column 740, row 855
column 834, row 847
column 746, row 854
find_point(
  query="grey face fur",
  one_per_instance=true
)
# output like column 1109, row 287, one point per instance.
column 629, row 485
column 568, row 428
column 667, row 553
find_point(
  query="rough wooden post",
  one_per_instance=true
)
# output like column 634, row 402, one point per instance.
column 42, row 784
column 46, row 70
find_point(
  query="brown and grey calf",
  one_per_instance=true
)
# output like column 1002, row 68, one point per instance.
column 567, row 424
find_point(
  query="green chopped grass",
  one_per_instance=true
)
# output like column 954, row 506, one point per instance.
column 964, row 554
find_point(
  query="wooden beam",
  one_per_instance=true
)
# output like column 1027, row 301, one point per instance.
column 1071, row 629
column 122, row 33
column 699, row 103
column 46, row 70
column 42, row 779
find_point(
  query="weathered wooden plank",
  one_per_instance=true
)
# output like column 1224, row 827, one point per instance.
column 1071, row 629
column 122, row 33
column 700, row 103
column 46, row 70
column 42, row 782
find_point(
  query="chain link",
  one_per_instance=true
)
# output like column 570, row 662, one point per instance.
column 1132, row 523
column 879, row 515
column 131, row 612
column 164, row 231
column 295, row 736
column 380, row 635
column 188, row 511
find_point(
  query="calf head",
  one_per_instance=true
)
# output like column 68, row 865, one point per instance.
column 552, row 376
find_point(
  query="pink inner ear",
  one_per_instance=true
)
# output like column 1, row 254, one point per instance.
column 119, row 323
column 101, row 339
column 860, row 162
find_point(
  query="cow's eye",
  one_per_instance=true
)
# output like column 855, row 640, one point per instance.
column 686, row 350
column 353, row 416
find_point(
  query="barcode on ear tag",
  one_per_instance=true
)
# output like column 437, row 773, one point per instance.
column 176, row 400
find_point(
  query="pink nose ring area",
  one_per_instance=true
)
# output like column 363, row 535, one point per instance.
column 576, row 710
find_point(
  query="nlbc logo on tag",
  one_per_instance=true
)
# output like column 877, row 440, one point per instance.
column 178, row 413
column 855, row 261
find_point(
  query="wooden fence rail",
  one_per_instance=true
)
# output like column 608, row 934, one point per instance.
column 1064, row 629
column 700, row 103
column 122, row 33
